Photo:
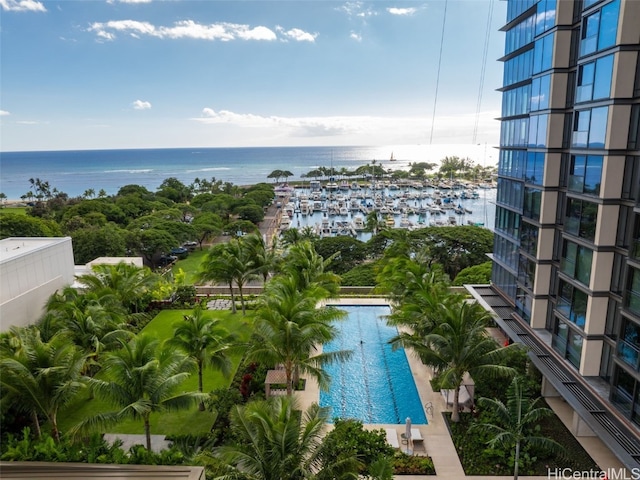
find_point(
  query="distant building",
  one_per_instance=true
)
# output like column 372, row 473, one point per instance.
column 566, row 258
column 31, row 270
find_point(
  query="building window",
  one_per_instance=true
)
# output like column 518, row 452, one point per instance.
column 529, row 238
column 518, row 68
column 540, row 92
column 516, row 101
column 534, row 172
column 504, row 280
column 585, row 174
column 590, row 128
column 514, row 133
column 567, row 342
column 581, row 218
column 532, row 202
column 545, row 16
column 506, row 251
column 634, row 128
column 629, row 344
column 519, row 35
column 624, row 392
column 515, row 9
column 633, row 292
column 523, row 304
column 543, row 54
column 634, row 249
column 594, row 79
column 526, row 272
column 509, row 192
column 508, row 222
column 576, row 262
column 572, row 303
column 512, row 163
column 538, row 130
column 600, row 28
column 631, row 180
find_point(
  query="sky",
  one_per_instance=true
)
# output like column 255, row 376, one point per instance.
column 98, row 74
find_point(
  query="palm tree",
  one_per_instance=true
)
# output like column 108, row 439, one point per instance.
column 278, row 442
column 421, row 294
column 215, row 267
column 515, row 422
column 373, row 222
column 309, row 270
column 289, row 329
column 142, row 379
column 129, row 283
column 230, row 262
column 265, row 257
column 92, row 323
column 42, row 376
column 207, row 342
column 459, row 344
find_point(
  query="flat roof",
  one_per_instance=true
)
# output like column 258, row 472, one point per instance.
column 14, row 247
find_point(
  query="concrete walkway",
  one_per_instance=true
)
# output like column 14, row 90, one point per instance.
column 158, row 442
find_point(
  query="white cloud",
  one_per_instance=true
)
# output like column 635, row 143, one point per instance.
column 141, row 105
column 355, row 36
column 28, row 122
column 189, row 29
column 402, row 11
column 22, row 6
column 4, row 113
column 356, row 9
column 297, row 35
column 448, row 128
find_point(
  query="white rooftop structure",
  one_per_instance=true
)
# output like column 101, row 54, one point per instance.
column 31, row 270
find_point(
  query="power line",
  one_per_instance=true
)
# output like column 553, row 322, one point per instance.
column 483, row 69
column 435, row 100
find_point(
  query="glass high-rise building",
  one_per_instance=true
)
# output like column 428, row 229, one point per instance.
column 566, row 258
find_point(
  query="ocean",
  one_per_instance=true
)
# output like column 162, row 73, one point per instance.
column 74, row 172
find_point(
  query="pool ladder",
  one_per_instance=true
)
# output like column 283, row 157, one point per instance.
column 428, row 409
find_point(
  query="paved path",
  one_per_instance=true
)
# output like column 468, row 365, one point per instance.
column 158, row 442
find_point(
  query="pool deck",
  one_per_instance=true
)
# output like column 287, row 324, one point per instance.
column 437, row 440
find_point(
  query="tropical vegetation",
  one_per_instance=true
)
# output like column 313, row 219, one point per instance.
column 97, row 359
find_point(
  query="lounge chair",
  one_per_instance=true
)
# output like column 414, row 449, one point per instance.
column 392, row 437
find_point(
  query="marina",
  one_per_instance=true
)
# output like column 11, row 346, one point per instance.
column 343, row 208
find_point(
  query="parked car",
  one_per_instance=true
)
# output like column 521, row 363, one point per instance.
column 180, row 252
column 166, row 260
column 191, row 246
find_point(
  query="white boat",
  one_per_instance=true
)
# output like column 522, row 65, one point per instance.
column 285, row 223
column 358, row 223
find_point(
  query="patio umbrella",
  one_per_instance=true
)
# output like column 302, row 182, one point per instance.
column 407, row 434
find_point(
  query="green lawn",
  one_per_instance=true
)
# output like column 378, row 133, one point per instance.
column 16, row 210
column 168, row 423
column 190, row 265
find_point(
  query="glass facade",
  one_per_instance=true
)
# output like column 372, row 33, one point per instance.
column 591, row 164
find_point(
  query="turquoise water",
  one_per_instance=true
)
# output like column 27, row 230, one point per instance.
column 376, row 385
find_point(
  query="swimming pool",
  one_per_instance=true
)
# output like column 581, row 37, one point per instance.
column 376, row 385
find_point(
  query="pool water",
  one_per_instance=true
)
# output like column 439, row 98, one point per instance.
column 376, row 384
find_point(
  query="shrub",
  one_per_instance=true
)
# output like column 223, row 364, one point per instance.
column 349, row 439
